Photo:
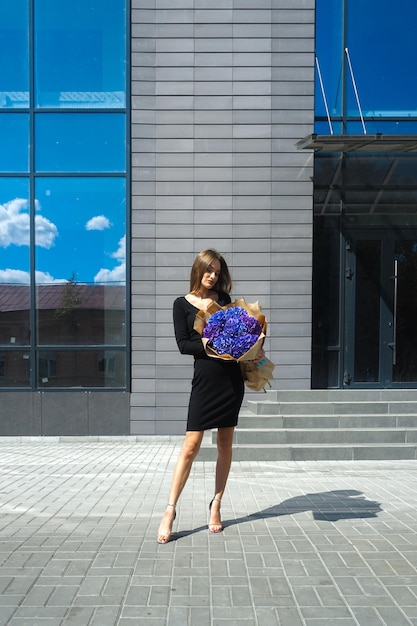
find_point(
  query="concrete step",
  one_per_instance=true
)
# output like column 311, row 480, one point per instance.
column 321, row 436
column 324, row 425
column 323, row 452
column 250, row 420
column 269, row 407
column 338, row 395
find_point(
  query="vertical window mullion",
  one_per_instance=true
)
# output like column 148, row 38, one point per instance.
column 128, row 194
column 33, row 333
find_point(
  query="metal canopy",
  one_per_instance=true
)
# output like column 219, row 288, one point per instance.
column 359, row 143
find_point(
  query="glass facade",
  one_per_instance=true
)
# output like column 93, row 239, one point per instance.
column 63, row 194
column 364, row 51
column 14, row 68
column 365, row 195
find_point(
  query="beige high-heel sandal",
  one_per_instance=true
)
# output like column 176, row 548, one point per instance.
column 218, row 524
column 165, row 537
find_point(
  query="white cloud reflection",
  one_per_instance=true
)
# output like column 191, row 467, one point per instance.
column 117, row 274
column 15, row 226
column 99, row 222
column 15, row 231
column 19, row 277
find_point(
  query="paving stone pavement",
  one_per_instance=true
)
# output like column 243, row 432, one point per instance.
column 305, row 543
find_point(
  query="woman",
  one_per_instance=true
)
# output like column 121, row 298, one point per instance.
column 217, row 387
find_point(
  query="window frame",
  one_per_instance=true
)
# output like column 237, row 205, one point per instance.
column 35, row 349
column 357, row 121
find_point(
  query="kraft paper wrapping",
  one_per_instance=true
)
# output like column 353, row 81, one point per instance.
column 255, row 375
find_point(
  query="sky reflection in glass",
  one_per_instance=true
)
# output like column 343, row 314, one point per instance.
column 80, row 53
column 14, row 142
column 83, row 230
column 329, row 55
column 381, row 42
column 80, row 142
column 69, row 148
column 382, row 51
column 14, row 230
column 14, row 54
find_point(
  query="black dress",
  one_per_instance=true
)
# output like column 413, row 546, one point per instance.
column 217, row 386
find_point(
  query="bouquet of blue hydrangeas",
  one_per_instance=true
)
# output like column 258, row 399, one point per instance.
column 237, row 332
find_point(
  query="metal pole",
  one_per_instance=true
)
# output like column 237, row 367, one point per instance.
column 355, row 90
column 324, row 96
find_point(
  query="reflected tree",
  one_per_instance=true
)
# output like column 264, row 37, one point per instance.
column 71, row 300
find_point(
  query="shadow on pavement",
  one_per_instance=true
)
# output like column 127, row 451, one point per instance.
column 328, row 506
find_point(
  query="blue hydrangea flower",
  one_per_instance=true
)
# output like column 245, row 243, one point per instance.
column 232, row 331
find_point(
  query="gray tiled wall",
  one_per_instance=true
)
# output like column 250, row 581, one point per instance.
column 221, row 93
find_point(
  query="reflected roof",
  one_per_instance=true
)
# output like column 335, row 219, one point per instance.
column 17, row 297
column 107, row 98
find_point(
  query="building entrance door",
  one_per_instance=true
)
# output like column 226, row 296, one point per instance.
column 380, row 307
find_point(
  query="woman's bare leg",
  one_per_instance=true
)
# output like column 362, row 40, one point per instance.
column 182, row 470
column 224, row 461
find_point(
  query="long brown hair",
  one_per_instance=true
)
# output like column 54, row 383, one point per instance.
column 202, row 261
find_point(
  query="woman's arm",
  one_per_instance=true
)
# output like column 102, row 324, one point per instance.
column 188, row 343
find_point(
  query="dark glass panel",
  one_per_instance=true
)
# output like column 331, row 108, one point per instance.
column 397, row 201
column 14, row 54
column 367, row 310
column 81, row 261
column 14, row 315
column 370, row 183
column 405, row 358
column 326, row 167
column 80, row 142
column 326, row 259
column 326, row 268
column 14, row 262
column 366, row 171
column 14, row 368
column 325, row 370
column 327, row 201
column 360, row 201
column 81, row 368
column 80, row 53
column 327, row 196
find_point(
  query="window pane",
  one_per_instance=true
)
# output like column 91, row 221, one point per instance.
column 80, row 142
column 397, row 127
column 323, row 128
column 80, row 261
column 378, row 183
column 77, row 314
column 14, row 262
column 14, row 54
column 80, row 53
column 329, row 49
column 385, row 37
column 14, row 142
column 326, row 270
column 81, row 368
column 14, row 368
column 367, row 311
